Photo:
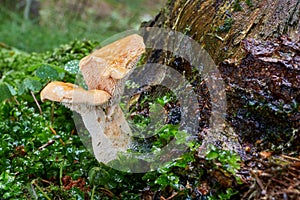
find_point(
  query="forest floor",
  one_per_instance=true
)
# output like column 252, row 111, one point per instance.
column 43, row 157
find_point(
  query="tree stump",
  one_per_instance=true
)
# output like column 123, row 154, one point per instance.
column 256, row 46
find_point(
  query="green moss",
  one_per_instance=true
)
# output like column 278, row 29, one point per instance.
column 249, row 3
column 226, row 26
column 237, row 6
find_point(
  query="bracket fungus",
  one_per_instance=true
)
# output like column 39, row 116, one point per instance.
column 105, row 72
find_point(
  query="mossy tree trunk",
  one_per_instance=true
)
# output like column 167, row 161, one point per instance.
column 256, row 45
column 29, row 8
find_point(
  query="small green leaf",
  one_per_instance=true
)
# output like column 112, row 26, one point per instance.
column 72, row 66
column 47, row 72
column 212, row 155
column 92, row 174
column 6, row 177
column 33, row 67
column 32, row 84
column 11, row 89
column 5, row 92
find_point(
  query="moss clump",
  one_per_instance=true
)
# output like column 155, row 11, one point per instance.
column 226, row 26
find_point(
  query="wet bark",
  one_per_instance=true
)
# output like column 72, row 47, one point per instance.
column 256, row 46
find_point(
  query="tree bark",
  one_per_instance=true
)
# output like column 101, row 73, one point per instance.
column 256, row 45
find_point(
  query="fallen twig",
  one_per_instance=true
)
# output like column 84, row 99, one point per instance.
column 259, row 182
column 108, row 193
column 280, row 182
column 52, row 113
column 291, row 158
column 40, row 189
column 33, row 191
column 3, row 45
column 45, row 181
column 50, row 142
column 16, row 100
column 170, row 197
column 36, row 102
column 54, row 132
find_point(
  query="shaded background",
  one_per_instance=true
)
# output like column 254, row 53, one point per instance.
column 40, row 25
